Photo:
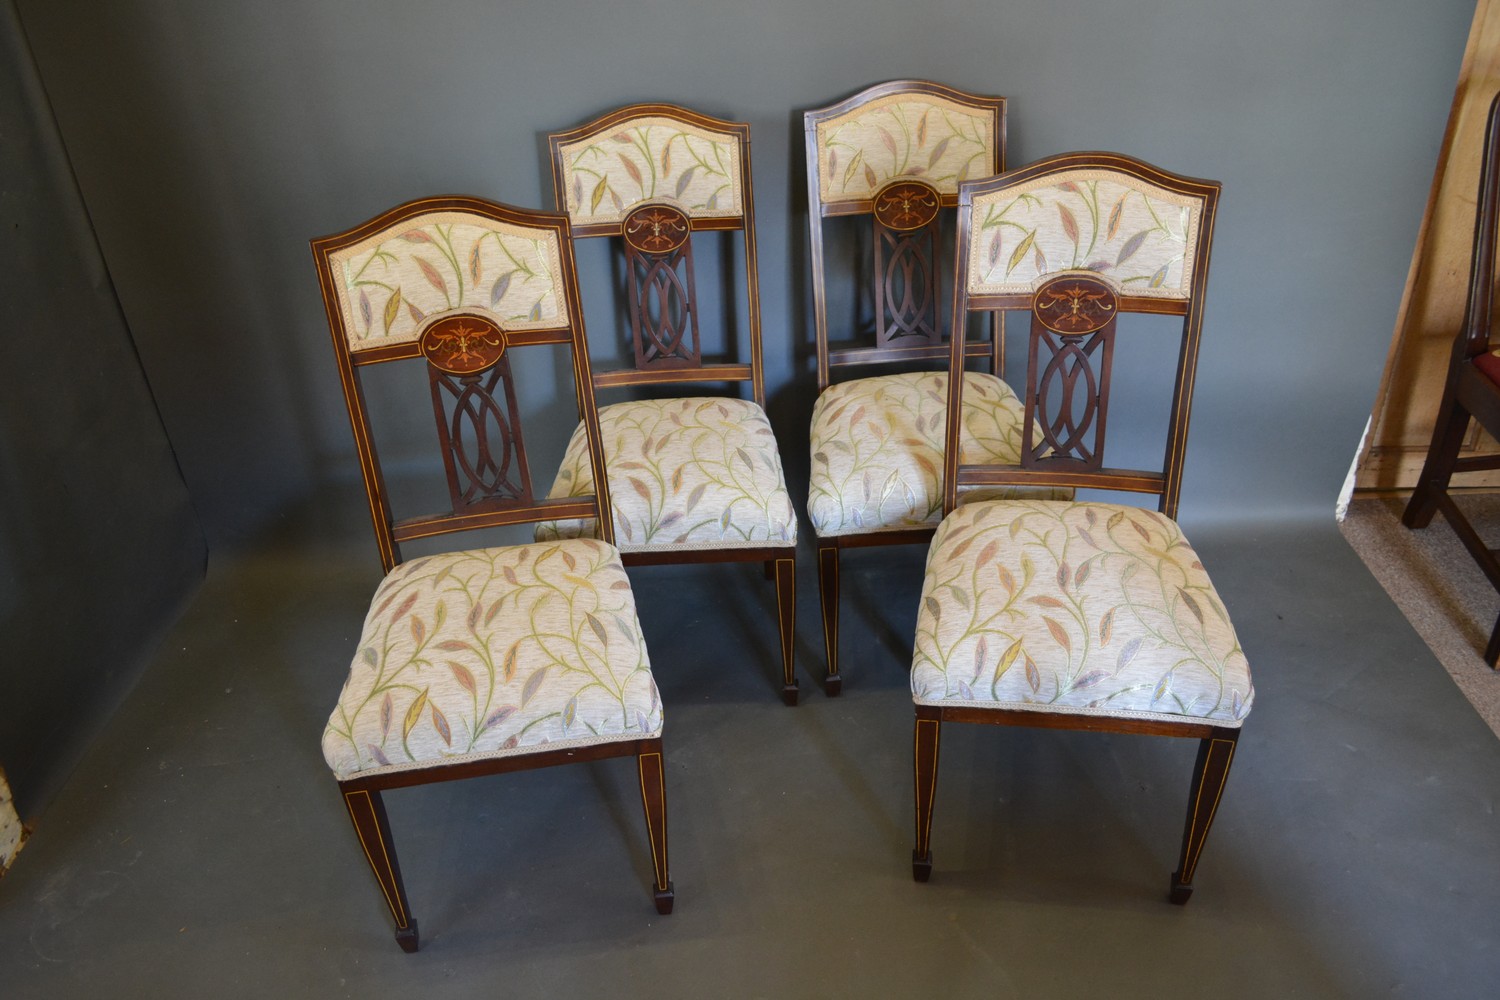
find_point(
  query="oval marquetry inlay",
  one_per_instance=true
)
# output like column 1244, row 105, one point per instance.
column 462, row 344
column 1075, row 303
column 656, row 229
column 906, row 205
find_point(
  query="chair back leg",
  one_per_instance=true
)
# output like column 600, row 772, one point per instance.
column 786, row 625
column 654, row 799
column 928, row 733
column 828, row 595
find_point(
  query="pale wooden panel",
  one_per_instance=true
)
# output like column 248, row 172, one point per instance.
column 1432, row 305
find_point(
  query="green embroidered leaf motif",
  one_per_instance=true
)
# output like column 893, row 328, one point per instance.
column 369, row 655
column 508, row 665
column 533, row 685
column 598, row 195
column 934, row 608
column 1128, row 653
column 1114, row 520
column 1069, row 224
column 960, row 595
column 1131, row 246
column 1015, row 528
column 570, row 711
column 440, row 723
column 414, row 714
column 1191, row 604
column 724, row 521
column 598, row 628
column 462, row 674
column 536, row 312
column 1114, row 218
column 1019, row 253
column 1106, row 627
column 1058, row 633
column 498, row 716
column 1033, row 675
column 500, row 287
column 385, row 716
column 392, row 308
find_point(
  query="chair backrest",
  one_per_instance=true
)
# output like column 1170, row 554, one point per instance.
column 460, row 283
column 654, row 174
column 1077, row 239
column 897, row 152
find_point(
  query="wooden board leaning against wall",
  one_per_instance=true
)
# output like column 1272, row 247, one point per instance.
column 1432, row 306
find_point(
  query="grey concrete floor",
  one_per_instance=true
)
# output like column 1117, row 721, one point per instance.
column 201, row 848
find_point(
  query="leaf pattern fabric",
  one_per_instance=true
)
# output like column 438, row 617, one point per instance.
column 651, row 159
column 491, row 653
column 440, row 262
column 877, row 449
column 924, row 136
column 697, row 473
column 1144, row 238
column 1081, row 608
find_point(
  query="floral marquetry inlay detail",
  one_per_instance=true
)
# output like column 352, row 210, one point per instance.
column 1074, row 304
column 462, row 344
column 906, row 205
column 656, row 229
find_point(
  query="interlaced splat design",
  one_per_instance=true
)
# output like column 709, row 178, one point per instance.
column 480, row 433
column 663, row 299
column 905, row 263
column 1067, row 382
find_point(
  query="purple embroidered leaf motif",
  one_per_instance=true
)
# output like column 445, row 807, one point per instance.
column 981, row 650
column 1160, row 276
column 965, row 692
column 1039, row 259
column 380, row 757
column 1192, row 605
column 392, row 309
column 1114, row 219
column 1084, row 534
column 463, row 675
column 499, row 288
column 1069, row 224
column 385, row 716
column 417, row 315
column 669, row 520
column 508, row 666
column 413, row 714
column 1163, row 687
column 364, row 307
column 533, row 684
column 510, row 576
column 685, row 179
column 577, row 190
column 937, row 152
column 1106, row 627
column 1058, row 633
column 536, row 312
column 440, row 723
column 694, row 497
column 633, row 170
column 745, row 457
column 935, row 609
column 641, row 722
column 886, row 140
column 498, row 716
column 1033, row 675
column 598, row 628
column 1128, row 653
column 994, row 252
column 369, row 655
column 474, row 264
column 418, row 630
column 404, row 607
column 570, row 711
column 1090, row 516
column 1064, row 574
column 1236, row 705
column 1019, row 254
column 1089, row 679
column 1131, row 246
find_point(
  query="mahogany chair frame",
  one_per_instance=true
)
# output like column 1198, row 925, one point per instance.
column 1468, row 393
column 661, row 368
column 1054, row 462
column 362, row 795
column 888, row 240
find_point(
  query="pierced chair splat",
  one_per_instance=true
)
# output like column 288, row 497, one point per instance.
column 1471, row 394
column 1070, row 614
column 697, row 478
column 892, row 156
column 478, row 661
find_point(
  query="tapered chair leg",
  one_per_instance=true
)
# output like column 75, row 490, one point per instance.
column 828, row 596
column 367, row 810
column 928, row 732
column 1210, row 772
column 1492, row 651
column 1437, row 470
column 654, row 799
column 786, row 624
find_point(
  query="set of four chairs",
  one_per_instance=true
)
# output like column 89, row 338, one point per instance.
column 1037, row 608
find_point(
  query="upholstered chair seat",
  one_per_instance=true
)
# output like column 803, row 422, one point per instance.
column 1077, row 608
column 694, row 473
column 491, row 653
column 877, row 450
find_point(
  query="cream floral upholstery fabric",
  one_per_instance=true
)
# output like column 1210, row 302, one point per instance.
column 397, row 279
column 877, row 449
column 1083, row 608
column 494, row 652
column 924, row 136
column 697, row 473
column 1141, row 236
column 650, row 159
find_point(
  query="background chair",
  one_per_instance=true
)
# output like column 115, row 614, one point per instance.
column 1078, row 615
column 893, row 153
column 694, row 479
column 486, row 660
column 1472, row 390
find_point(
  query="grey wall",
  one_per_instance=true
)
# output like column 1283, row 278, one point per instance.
column 99, row 545
column 213, row 138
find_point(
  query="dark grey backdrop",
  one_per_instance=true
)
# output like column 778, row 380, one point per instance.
column 212, row 139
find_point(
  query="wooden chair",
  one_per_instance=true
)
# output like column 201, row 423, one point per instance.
column 893, row 153
column 1472, row 390
column 1062, row 614
column 694, row 479
column 486, row 660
